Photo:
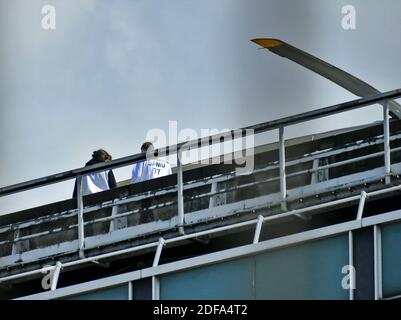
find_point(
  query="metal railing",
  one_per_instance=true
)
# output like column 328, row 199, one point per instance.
column 279, row 124
column 161, row 242
column 231, row 176
column 223, row 178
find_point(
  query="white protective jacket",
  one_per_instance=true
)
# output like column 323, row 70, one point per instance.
column 150, row 169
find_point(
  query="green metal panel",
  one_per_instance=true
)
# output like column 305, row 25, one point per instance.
column 114, row 293
column 311, row 270
column 228, row 280
column 391, row 257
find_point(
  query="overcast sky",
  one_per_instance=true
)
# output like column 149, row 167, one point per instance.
column 113, row 70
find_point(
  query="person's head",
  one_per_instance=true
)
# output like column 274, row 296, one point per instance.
column 101, row 155
column 149, row 149
column 147, row 146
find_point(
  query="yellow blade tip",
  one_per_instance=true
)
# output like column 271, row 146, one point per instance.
column 268, row 43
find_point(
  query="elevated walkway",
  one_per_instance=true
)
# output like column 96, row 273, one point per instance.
column 296, row 179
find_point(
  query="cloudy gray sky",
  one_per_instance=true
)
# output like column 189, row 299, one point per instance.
column 112, row 70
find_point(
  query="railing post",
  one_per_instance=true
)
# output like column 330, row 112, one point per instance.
column 155, row 288
column 80, row 208
column 212, row 199
column 130, row 291
column 180, row 193
column 283, row 185
column 258, row 229
column 16, row 244
column 158, row 252
column 386, row 141
column 361, row 205
column 377, row 262
column 56, row 275
column 351, row 265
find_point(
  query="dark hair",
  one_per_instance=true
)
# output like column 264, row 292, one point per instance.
column 145, row 147
column 101, row 155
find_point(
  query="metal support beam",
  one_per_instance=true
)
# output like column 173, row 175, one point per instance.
column 158, row 252
column 351, row 265
column 130, row 291
column 378, row 262
column 80, row 208
column 155, row 288
column 361, row 205
column 258, row 229
column 283, row 185
column 315, row 172
column 386, row 134
column 212, row 199
column 16, row 245
column 56, row 275
column 180, row 193
column 113, row 215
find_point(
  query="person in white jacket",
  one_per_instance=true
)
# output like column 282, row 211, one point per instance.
column 149, row 169
column 98, row 181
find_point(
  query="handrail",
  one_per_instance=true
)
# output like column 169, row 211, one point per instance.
column 170, row 150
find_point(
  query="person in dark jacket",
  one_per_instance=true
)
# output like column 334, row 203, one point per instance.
column 98, row 181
